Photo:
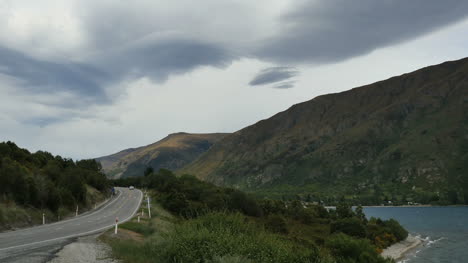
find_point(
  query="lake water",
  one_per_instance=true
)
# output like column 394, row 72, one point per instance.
column 444, row 230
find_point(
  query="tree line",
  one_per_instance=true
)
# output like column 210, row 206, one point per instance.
column 44, row 181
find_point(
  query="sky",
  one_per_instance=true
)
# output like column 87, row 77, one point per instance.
column 85, row 78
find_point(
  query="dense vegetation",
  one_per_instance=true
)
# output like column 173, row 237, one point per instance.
column 43, row 181
column 226, row 225
column 402, row 140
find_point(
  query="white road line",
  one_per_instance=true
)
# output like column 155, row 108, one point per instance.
column 79, row 234
column 67, row 220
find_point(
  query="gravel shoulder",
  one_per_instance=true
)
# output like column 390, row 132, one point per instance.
column 84, row 250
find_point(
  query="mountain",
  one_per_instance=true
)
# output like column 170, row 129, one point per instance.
column 172, row 152
column 402, row 140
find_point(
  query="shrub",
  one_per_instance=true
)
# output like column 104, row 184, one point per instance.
column 276, row 224
column 143, row 229
column 219, row 235
column 396, row 229
column 350, row 226
column 349, row 250
column 241, row 202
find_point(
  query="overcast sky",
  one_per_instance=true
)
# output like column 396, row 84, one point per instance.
column 86, row 78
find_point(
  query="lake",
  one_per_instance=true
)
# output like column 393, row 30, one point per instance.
column 444, row 230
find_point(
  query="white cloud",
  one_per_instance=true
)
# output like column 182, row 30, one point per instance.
column 43, row 29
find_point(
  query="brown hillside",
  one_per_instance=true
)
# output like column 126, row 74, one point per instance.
column 172, row 152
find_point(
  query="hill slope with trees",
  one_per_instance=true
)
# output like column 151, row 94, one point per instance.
column 40, row 182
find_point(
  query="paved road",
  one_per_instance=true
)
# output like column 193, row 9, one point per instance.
column 15, row 246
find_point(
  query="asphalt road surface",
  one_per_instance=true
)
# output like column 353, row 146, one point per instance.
column 36, row 243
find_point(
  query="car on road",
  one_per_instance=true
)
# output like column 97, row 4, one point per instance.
column 131, row 188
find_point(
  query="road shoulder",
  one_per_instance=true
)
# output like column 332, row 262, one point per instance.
column 84, row 250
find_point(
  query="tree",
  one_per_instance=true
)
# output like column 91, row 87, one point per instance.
column 360, row 214
column 351, row 226
column 344, row 210
column 149, row 170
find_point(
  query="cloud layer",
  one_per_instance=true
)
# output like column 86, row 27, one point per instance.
column 105, row 43
column 330, row 31
column 275, row 75
column 73, row 67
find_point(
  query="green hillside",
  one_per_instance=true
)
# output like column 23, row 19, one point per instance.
column 402, row 140
column 36, row 183
column 172, row 152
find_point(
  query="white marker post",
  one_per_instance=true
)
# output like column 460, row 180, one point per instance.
column 149, row 207
column 138, row 218
column 43, row 218
column 116, row 225
column 76, row 214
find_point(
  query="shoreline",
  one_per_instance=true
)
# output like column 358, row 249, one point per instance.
column 399, row 250
column 414, row 206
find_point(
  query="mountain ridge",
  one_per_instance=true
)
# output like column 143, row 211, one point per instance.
column 362, row 130
column 171, row 152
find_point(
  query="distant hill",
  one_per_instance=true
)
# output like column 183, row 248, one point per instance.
column 402, row 140
column 172, row 152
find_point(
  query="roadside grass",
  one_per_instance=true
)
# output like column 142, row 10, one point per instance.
column 14, row 216
column 215, row 237
column 144, row 228
column 130, row 251
column 127, row 250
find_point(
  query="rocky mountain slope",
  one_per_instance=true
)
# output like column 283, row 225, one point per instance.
column 404, row 139
column 172, row 152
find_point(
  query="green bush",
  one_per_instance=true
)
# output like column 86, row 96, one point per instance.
column 381, row 231
column 346, row 249
column 276, row 224
column 396, row 229
column 351, row 226
column 219, row 235
column 143, row 229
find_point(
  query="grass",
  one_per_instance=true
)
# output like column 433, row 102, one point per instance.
column 215, row 237
column 16, row 216
column 145, row 229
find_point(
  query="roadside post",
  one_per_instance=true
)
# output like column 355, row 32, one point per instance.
column 149, row 207
column 76, row 213
column 43, row 218
column 138, row 218
column 116, row 225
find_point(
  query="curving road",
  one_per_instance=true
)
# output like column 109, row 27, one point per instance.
column 16, row 246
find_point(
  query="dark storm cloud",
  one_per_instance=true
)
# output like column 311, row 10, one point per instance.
column 161, row 58
column 155, row 59
column 273, row 75
column 40, row 76
column 334, row 30
column 128, row 45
